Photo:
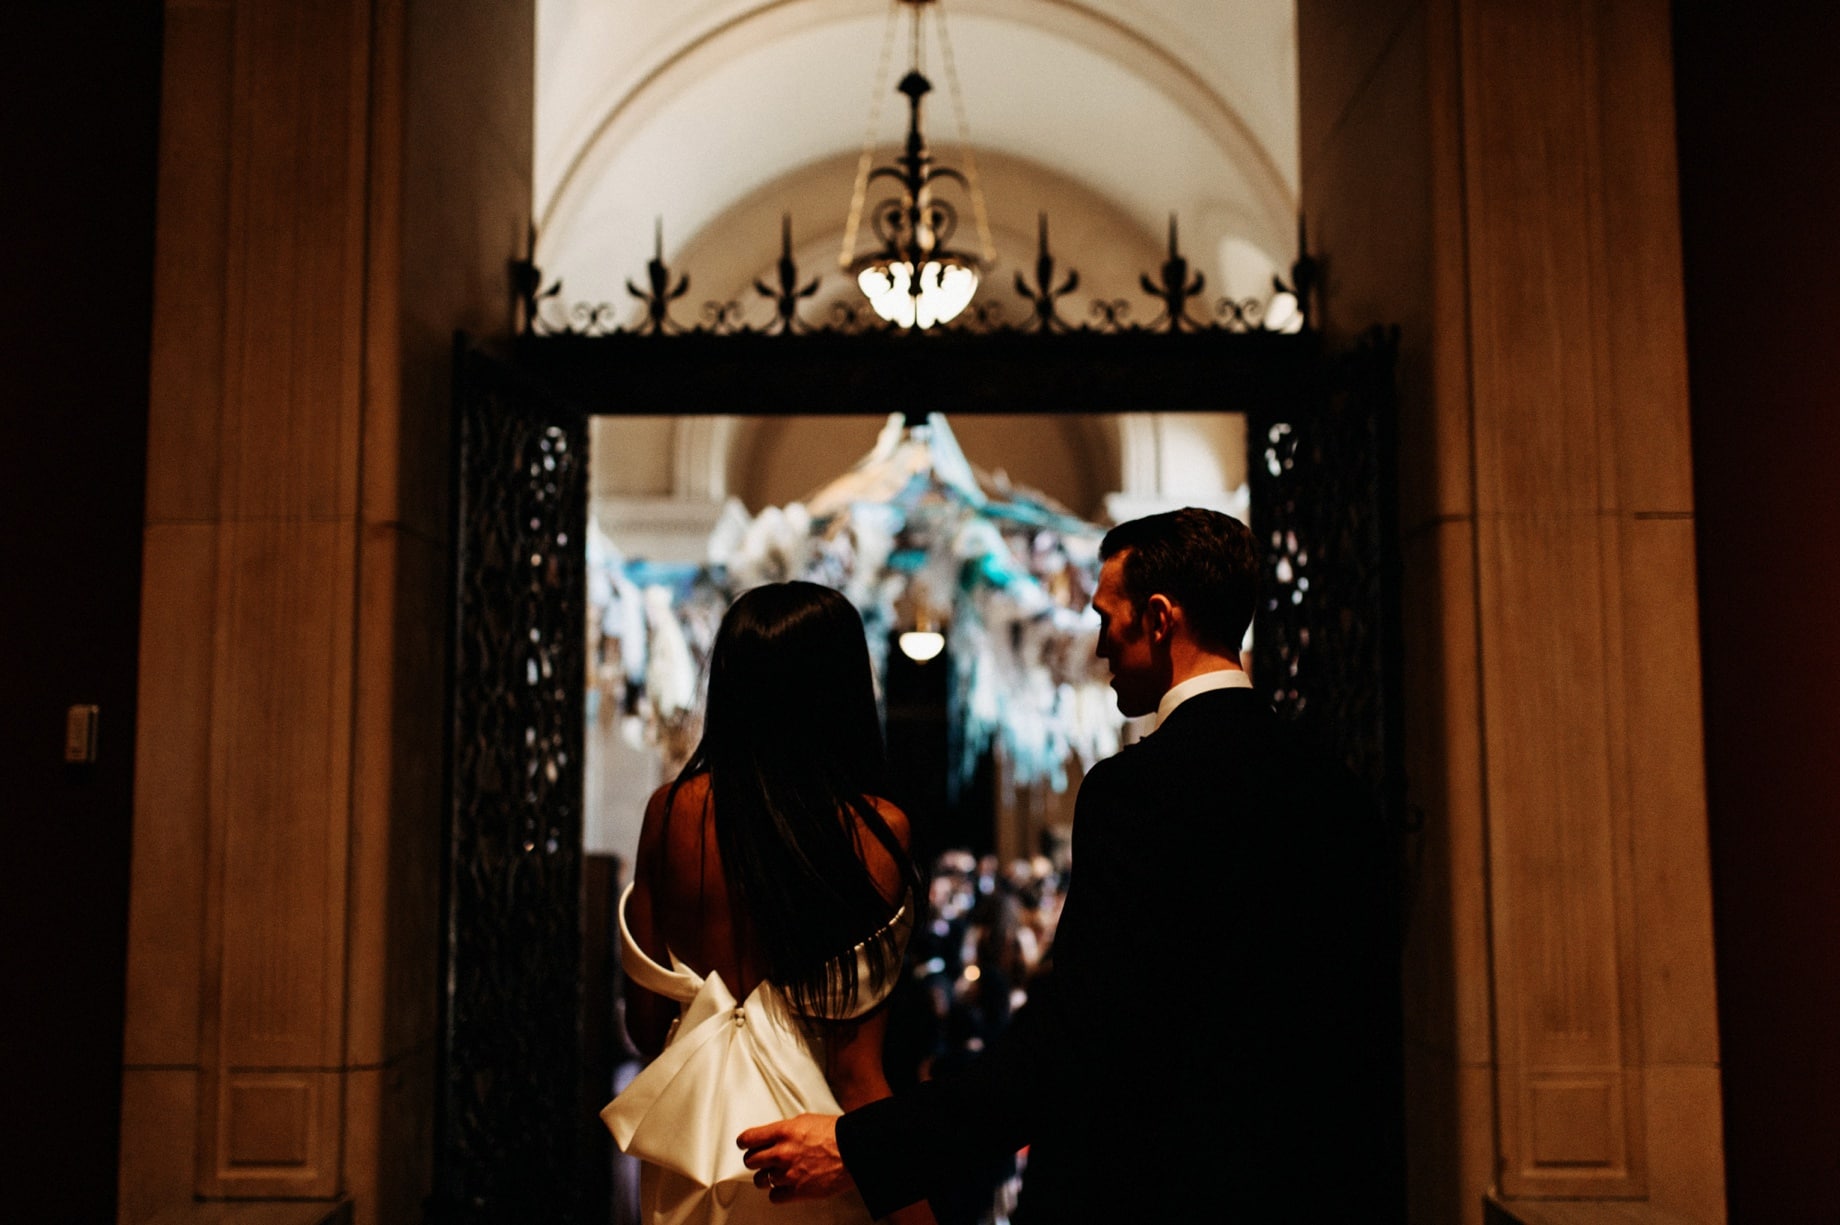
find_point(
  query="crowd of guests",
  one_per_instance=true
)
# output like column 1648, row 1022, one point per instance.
column 973, row 955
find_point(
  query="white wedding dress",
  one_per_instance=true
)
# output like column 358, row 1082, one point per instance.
column 725, row 1067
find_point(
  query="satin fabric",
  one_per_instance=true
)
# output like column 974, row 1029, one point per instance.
column 727, row 1065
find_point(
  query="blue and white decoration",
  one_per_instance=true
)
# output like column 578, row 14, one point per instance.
column 918, row 540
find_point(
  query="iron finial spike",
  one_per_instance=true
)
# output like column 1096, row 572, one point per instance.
column 658, row 238
column 785, row 234
column 1172, row 236
column 1042, row 221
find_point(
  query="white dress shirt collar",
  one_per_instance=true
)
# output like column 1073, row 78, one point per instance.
column 1220, row 678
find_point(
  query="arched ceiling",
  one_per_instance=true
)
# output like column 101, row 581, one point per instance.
column 1111, row 114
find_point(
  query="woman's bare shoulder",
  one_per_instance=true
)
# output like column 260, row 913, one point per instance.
column 894, row 819
column 690, row 793
column 884, row 867
column 672, row 800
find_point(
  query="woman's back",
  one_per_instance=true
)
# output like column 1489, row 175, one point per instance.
column 682, row 904
column 735, row 1048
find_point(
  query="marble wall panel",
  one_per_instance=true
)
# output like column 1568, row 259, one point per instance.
column 394, row 909
column 187, row 368
column 1686, row 1159
column 280, row 804
column 1368, row 198
column 295, row 274
column 270, row 1119
column 1645, row 320
column 159, row 1134
column 1534, row 240
column 1447, row 955
column 1446, row 435
column 171, row 795
column 379, row 499
column 324, row 165
column 1578, row 386
column 373, row 775
column 271, row 1133
column 1549, row 401
column 1450, row 1125
column 1667, row 799
column 389, row 1136
column 1477, row 1161
column 1369, row 193
column 1559, row 928
column 468, row 122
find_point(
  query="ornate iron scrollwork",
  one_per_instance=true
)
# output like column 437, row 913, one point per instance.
column 1326, row 638
column 1044, row 296
column 1329, row 653
column 509, row 1112
column 1176, row 289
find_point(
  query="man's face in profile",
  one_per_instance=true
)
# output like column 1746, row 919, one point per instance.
column 1124, row 643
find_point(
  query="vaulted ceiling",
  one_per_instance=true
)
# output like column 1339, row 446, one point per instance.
column 716, row 116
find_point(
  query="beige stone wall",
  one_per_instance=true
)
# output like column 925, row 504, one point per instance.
column 1498, row 178
column 341, row 184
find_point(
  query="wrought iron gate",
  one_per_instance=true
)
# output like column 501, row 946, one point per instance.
column 1327, row 645
column 508, row 1120
column 1328, row 654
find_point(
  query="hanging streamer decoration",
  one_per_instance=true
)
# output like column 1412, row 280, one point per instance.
column 913, row 529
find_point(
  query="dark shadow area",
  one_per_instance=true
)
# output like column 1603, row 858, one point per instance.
column 80, row 147
column 1760, row 191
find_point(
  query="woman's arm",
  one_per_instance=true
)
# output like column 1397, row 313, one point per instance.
column 853, row 1058
column 853, row 1054
column 648, row 1016
column 853, row 1065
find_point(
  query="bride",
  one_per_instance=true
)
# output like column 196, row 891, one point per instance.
column 771, row 902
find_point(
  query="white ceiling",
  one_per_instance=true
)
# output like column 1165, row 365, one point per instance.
column 699, row 111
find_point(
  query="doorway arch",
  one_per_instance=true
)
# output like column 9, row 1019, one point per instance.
column 1326, row 651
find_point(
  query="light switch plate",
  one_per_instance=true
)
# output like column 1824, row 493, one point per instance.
column 80, row 734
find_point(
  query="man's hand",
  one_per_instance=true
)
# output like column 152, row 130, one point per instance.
column 796, row 1158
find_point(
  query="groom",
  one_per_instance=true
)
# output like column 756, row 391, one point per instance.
column 1203, row 1040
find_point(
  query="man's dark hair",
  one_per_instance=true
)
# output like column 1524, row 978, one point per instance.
column 1206, row 562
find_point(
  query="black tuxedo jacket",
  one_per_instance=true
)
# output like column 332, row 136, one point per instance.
column 1204, row 1039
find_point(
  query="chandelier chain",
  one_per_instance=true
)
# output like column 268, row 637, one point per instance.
column 987, row 247
column 859, row 190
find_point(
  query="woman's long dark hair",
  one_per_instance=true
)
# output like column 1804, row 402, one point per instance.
column 793, row 749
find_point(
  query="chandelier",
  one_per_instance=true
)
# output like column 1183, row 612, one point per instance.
column 915, row 278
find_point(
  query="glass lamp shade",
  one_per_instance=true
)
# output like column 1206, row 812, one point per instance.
column 1282, row 313
column 921, row 645
column 945, row 290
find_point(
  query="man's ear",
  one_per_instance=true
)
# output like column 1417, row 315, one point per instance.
column 1159, row 617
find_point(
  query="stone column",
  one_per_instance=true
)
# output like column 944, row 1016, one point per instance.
column 341, row 184
column 1497, row 177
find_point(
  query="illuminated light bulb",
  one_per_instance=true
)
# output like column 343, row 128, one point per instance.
column 1282, row 314
column 945, row 290
column 921, row 645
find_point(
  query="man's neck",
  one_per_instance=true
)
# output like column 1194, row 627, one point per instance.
column 1199, row 683
column 1197, row 662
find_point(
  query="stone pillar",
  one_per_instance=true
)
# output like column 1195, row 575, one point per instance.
column 1497, row 177
column 341, row 184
